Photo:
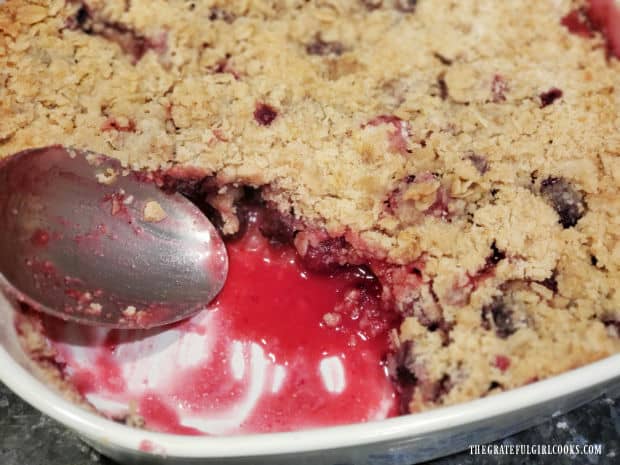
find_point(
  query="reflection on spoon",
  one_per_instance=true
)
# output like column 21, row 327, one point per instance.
column 85, row 240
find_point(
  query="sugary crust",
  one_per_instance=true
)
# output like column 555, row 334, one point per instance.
column 422, row 137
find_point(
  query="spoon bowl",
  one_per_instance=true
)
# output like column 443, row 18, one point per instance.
column 86, row 240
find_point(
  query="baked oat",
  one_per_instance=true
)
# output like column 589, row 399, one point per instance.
column 468, row 151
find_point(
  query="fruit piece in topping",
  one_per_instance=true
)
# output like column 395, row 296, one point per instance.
column 435, row 391
column 479, row 161
column 153, row 212
column 577, row 22
column 219, row 14
column 193, row 184
column 322, row 47
column 443, row 86
column 612, row 324
column 78, row 19
column 399, row 136
column 120, row 124
column 568, row 202
column 547, row 98
column 494, row 258
column 401, row 367
column 502, row 362
column 499, row 87
column 417, row 197
column 420, row 303
column 404, row 363
column 495, row 385
column 440, row 208
column 406, row 6
column 224, row 66
column 496, row 255
column 443, row 59
column 501, row 315
column 264, row 114
column 372, row 4
column 463, row 286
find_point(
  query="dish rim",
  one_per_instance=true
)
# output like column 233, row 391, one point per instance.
column 99, row 429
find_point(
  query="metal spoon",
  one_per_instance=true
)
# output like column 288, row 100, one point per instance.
column 85, row 240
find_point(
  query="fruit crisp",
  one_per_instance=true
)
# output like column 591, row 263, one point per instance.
column 466, row 152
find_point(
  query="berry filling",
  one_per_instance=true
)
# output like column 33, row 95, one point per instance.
column 291, row 342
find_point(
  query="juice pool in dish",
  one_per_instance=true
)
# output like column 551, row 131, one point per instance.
column 281, row 348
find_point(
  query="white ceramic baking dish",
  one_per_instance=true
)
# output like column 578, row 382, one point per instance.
column 404, row 440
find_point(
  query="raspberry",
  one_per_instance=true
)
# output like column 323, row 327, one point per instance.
column 551, row 282
column 479, row 161
column 502, row 362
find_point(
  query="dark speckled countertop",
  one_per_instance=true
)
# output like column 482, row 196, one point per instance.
column 28, row 437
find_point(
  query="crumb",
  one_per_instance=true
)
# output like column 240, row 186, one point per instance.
column 94, row 308
column 93, row 159
column 109, row 176
column 153, row 212
column 332, row 319
column 129, row 311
